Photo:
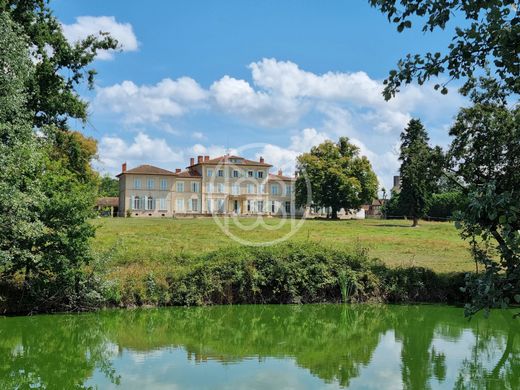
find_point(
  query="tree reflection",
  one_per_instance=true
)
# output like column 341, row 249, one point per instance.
column 333, row 342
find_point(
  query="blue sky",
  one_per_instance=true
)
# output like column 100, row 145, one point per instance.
column 203, row 77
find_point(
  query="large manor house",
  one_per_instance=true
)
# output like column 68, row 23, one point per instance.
column 228, row 184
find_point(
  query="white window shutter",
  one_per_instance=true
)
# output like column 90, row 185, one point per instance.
column 132, row 202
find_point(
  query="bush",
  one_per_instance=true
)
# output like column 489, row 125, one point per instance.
column 446, row 204
column 288, row 273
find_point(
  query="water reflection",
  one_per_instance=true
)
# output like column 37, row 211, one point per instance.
column 310, row 346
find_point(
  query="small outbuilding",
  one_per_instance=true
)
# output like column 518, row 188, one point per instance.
column 108, row 206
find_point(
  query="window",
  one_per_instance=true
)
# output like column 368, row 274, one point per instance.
column 208, row 205
column 150, row 184
column 136, row 205
column 194, row 187
column 220, row 205
column 195, row 204
column 260, row 174
column 209, row 172
column 288, row 189
column 180, row 186
column 162, row 204
column 180, row 204
column 220, row 173
column 260, row 205
column 250, row 174
column 209, row 187
column 150, row 203
column 250, row 188
column 261, row 188
column 137, row 184
column 275, row 189
column 235, row 189
column 220, row 188
column 288, row 207
column 249, row 206
column 164, row 184
column 273, row 206
column 236, row 174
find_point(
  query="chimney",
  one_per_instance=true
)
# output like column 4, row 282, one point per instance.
column 206, row 158
column 199, row 159
column 280, row 172
column 123, row 167
column 261, row 159
column 177, row 170
column 192, row 161
column 397, row 181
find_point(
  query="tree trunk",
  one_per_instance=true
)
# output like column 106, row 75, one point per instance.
column 415, row 222
column 334, row 214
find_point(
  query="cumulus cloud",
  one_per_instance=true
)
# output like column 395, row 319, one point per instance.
column 283, row 96
column 93, row 25
column 139, row 104
column 113, row 151
column 237, row 97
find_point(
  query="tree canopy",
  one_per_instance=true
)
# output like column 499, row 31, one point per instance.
column 420, row 170
column 337, row 175
column 491, row 36
column 485, row 160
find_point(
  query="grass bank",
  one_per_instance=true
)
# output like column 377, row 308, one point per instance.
column 151, row 243
column 286, row 273
column 192, row 262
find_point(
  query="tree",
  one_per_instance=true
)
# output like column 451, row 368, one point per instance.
column 491, row 36
column 420, row 170
column 485, row 160
column 338, row 177
column 46, row 194
column 59, row 66
column 108, row 186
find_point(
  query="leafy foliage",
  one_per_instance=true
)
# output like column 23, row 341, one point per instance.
column 59, row 66
column 108, row 186
column 492, row 34
column 287, row 273
column 47, row 192
column 485, row 155
column 338, row 177
column 420, row 169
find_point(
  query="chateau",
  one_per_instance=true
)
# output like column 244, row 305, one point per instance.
column 228, row 185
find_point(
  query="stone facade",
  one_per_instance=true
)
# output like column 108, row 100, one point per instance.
column 225, row 185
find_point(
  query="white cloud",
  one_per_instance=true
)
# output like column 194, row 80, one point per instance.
column 198, row 135
column 113, row 151
column 139, row 104
column 281, row 95
column 239, row 98
column 93, row 25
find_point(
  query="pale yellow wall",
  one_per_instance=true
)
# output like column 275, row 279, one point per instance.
column 172, row 195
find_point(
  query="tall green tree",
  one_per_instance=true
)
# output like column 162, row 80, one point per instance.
column 485, row 157
column 47, row 187
column 490, row 35
column 420, row 170
column 337, row 176
column 59, row 66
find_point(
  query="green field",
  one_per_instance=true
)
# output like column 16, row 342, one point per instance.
column 150, row 243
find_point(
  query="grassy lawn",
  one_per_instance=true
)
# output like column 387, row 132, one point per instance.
column 153, row 242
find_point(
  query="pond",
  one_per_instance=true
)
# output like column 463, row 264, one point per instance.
column 262, row 347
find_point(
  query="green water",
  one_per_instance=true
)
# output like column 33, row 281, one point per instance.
column 265, row 347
